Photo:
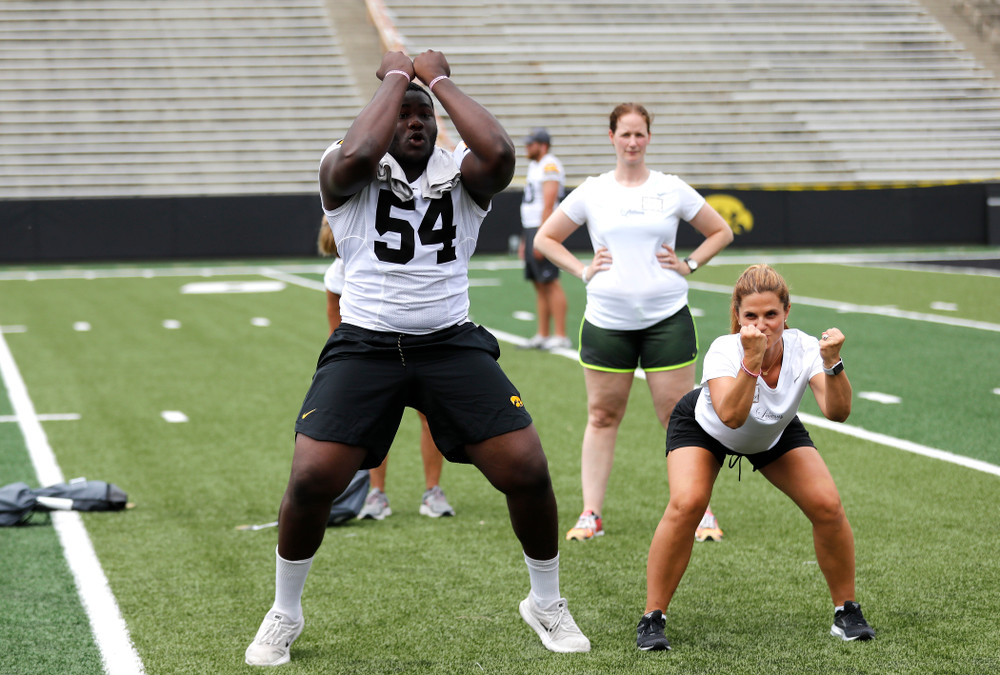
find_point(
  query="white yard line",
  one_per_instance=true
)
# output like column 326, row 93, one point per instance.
column 900, row 444
column 42, row 417
column 109, row 629
column 864, row 309
column 291, row 278
column 839, row 427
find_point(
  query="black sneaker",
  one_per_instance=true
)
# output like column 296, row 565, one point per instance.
column 650, row 632
column 849, row 624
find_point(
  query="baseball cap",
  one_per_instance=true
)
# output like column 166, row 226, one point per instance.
column 538, row 135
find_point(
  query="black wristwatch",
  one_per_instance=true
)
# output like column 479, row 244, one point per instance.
column 837, row 369
column 692, row 264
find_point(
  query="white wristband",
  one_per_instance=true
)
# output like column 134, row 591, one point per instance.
column 583, row 275
column 430, row 85
column 397, row 72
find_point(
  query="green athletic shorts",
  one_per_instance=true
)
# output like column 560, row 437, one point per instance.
column 667, row 345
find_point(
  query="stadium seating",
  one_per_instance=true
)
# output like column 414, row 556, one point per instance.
column 743, row 91
column 212, row 97
column 132, row 98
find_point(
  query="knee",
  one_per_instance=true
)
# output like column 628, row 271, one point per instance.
column 532, row 474
column 308, row 487
column 314, row 482
column 827, row 511
column 603, row 418
column 687, row 508
column 527, row 474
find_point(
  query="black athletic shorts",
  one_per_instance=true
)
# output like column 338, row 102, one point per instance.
column 667, row 345
column 365, row 378
column 542, row 271
column 684, row 431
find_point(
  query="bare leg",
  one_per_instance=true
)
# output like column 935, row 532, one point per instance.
column 607, row 396
column 667, row 387
column 320, row 472
column 515, row 464
column 803, row 476
column 554, row 298
column 432, row 457
column 691, row 473
column 377, row 475
column 542, row 310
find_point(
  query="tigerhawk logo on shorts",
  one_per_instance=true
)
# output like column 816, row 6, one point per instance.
column 516, row 400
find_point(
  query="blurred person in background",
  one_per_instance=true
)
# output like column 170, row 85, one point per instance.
column 544, row 187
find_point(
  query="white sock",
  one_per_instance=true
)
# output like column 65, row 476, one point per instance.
column 544, row 577
column 839, row 608
column 289, row 580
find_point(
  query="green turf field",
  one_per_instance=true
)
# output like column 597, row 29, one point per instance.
column 415, row 595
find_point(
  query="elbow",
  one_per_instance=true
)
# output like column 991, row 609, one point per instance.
column 506, row 161
column 838, row 413
column 541, row 243
column 733, row 421
column 839, row 416
column 724, row 235
column 497, row 155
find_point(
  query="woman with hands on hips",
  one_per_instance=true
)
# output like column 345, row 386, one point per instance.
column 752, row 383
column 637, row 305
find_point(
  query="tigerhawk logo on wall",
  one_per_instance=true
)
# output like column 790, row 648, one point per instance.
column 738, row 216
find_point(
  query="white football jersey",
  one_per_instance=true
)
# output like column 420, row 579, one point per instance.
column 406, row 262
column 540, row 172
column 333, row 279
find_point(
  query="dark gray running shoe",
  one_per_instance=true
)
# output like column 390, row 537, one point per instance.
column 849, row 624
column 650, row 632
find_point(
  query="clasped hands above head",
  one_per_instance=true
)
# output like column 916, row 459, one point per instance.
column 429, row 66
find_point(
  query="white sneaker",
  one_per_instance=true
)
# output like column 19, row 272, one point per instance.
column 555, row 626
column 557, row 342
column 376, row 506
column 534, row 342
column 273, row 641
column 435, row 504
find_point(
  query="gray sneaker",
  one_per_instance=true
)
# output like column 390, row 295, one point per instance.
column 376, row 506
column 435, row 504
column 534, row 342
column 557, row 342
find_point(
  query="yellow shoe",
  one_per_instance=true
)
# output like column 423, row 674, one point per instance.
column 708, row 528
column 587, row 527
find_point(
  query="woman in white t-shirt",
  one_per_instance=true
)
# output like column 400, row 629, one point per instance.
column 637, row 313
column 752, row 383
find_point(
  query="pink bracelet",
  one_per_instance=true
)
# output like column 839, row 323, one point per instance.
column 437, row 79
column 397, row 72
column 748, row 371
